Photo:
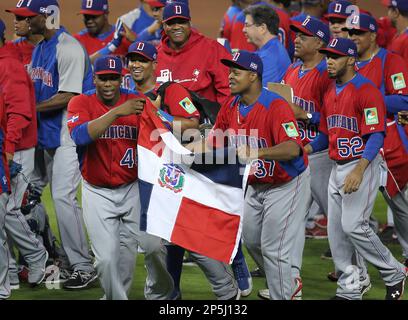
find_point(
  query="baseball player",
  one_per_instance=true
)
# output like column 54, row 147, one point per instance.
column 309, row 80
column 143, row 21
column 189, row 58
column 104, row 124
column 60, row 70
column 27, row 41
column 388, row 72
column 98, row 31
column 21, row 138
column 5, row 290
column 398, row 13
column 262, row 28
column 337, row 15
column 353, row 126
column 279, row 186
column 229, row 18
column 142, row 63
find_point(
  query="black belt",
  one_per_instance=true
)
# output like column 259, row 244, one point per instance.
column 343, row 162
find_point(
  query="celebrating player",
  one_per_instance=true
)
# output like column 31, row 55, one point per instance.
column 60, row 70
column 388, row 72
column 101, row 121
column 353, row 127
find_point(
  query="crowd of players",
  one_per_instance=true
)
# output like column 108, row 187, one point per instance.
column 70, row 105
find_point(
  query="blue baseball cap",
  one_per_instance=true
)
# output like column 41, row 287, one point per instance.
column 363, row 22
column 342, row 47
column 2, row 28
column 94, row 7
column 338, row 9
column 245, row 60
column 33, row 8
column 312, row 27
column 176, row 10
column 399, row 4
column 108, row 65
column 144, row 49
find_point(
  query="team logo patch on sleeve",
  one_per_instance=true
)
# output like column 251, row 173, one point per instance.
column 73, row 119
column 371, row 116
column 290, row 129
column 398, row 81
column 188, row 105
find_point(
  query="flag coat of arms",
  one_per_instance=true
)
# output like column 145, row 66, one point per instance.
column 196, row 206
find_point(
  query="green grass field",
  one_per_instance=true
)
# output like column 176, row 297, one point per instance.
column 316, row 286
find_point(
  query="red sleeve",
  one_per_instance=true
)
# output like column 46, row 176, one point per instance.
column 396, row 75
column 78, row 111
column 179, row 102
column 219, row 72
column 284, row 125
column 18, row 102
column 372, row 108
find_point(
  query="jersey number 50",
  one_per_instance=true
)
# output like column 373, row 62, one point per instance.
column 350, row 147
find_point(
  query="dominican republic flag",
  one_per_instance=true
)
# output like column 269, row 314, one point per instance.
column 196, row 206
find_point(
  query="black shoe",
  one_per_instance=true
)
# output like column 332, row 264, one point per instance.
column 387, row 235
column 406, row 263
column 327, row 255
column 257, row 273
column 338, row 298
column 395, row 292
column 80, row 280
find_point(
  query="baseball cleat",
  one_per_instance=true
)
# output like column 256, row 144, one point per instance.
column 395, row 292
column 365, row 285
column 327, row 255
column 332, row 276
column 264, row 294
column 297, row 294
column 80, row 280
column 257, row 273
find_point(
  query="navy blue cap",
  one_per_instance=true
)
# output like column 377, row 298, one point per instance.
column 94, row 7
column 245, row 60
column 363, row 22
column 108, row 65
column 312, row 27
column 399, row 4
column 144, row 49
column 176, row 10
column 338, row 9
column 342, row 47
column 2, row 28
column 33, row 8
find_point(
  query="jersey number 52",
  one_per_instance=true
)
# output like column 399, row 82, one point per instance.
column 350, row 147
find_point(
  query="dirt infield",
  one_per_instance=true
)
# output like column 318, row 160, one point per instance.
column 206, row 14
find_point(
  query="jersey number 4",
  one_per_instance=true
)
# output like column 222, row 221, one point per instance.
column 350, row 147
column 129, row 159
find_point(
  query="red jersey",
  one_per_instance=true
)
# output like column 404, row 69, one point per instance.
column 309, row 88
column 178, row 102
column 399, row 45
column 110, row 161
column 228, row 21
column 386, row 32
column 4, row 168
column 351, row 112
column 239, row 41
column 196, row 66
column 19, row 99
column 383, row 70
column 267, row 123
column 94, row 44
column 25, row 48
